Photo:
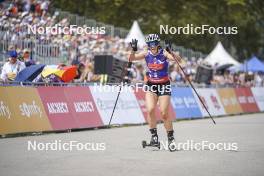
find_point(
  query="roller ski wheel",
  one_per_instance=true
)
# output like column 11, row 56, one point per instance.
column 151, row 144
column 172, row 145
column 144, row 144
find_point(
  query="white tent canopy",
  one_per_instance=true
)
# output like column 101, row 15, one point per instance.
column 221, row 56
column 136, row 33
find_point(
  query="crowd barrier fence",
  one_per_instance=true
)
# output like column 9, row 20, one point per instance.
column 43, row 52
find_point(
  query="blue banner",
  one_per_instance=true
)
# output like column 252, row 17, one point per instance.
column 184, row 103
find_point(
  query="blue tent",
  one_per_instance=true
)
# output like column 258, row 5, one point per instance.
column 252, row 65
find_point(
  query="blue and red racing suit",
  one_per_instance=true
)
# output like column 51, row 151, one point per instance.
column 157, row 67
column 158, row 73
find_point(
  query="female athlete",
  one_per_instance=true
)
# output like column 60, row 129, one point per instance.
column 158, row 84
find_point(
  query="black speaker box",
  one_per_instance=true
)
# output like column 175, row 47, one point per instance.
column 204, row 74
column 107, row 64
column 100, row 63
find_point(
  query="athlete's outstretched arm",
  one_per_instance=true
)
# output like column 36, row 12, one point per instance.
column 133, row 56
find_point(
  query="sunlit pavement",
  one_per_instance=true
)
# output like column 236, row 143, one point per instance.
column 124, row 155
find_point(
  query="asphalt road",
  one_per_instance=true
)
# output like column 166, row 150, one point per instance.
column 124, row 155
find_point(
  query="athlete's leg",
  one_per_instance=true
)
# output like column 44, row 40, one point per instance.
column 151, row 102
column 164, row 102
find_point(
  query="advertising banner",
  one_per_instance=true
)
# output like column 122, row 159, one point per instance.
column 211, row 100
column 127, row 110
column 246, row 99
column 229, row 100
column 184, row 103
column 140, row 95
column 8, row 122
column 57, row 108
column 258, row 93
column 82, row 106
column 25, row 110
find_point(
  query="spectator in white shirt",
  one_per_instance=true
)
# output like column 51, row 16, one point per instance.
column 12, row 67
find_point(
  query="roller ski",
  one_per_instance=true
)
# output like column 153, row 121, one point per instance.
column 154, row 141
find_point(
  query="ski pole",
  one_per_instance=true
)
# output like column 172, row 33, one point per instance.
column 185, row 75
column 119, row 91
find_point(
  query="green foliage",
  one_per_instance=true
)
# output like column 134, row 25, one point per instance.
column 247, row 15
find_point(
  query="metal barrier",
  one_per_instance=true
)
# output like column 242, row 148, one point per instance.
column 42, row 51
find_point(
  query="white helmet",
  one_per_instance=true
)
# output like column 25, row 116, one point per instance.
column 152, row 38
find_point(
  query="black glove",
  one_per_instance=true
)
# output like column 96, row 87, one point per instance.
column 133, row 44
column 168, row 45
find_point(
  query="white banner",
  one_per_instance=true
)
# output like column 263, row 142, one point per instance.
column 211, row 100
column 258, row 93
column 127, row 110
